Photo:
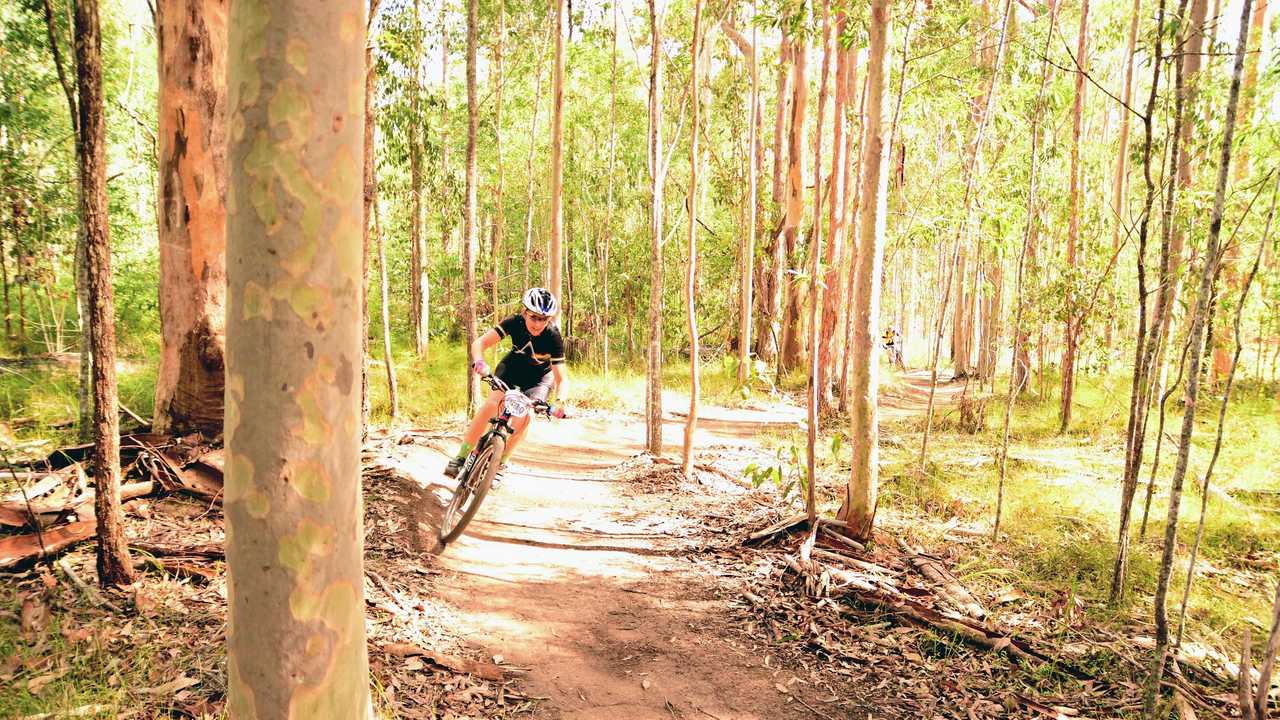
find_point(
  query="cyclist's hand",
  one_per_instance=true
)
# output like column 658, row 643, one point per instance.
column 480, row 368
column 557, row 411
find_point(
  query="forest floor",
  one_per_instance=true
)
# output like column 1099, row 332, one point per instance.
column 597, row 582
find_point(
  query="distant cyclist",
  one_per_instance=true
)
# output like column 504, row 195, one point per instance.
column 893, row 345
column 534, row 364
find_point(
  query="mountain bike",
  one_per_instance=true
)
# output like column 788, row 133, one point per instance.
column 477, row 473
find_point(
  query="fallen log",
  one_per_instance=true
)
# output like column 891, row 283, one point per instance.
column 948, row 586
column 18, row 550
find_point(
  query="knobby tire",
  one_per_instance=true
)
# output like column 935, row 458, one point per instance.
column 468, row 495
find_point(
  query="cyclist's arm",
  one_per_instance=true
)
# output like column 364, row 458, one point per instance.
column 482, row 343
column 561, row 375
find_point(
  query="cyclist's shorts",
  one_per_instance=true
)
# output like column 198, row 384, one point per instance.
column 535, row 388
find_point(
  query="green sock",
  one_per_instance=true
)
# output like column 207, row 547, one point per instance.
column 464, row 451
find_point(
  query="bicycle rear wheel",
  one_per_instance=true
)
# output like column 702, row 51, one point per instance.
column 471, row 490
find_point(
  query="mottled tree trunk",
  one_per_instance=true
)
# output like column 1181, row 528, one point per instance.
column 657, row 177
column 296, row 639
column 860, row 500
column 555, row 257
column 114, row 564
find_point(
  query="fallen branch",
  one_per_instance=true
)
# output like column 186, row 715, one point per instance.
column 85, row 588
column 781, row 526
column 482, row 670
column 948, row 586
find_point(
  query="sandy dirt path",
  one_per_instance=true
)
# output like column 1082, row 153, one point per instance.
column 598, row 590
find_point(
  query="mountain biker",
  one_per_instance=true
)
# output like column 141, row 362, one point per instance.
column 893, row 344
column 534, row 363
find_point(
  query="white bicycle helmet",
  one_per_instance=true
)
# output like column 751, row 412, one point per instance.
column 541, row 301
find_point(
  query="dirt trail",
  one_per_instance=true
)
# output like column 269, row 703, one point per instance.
column 593, row 587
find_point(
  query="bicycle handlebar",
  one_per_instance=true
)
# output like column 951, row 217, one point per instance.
column 539, row 406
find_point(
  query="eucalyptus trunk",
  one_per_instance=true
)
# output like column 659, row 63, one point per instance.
column 861, row 496
column 296, row 633
column 192, row 215
column 555, row 253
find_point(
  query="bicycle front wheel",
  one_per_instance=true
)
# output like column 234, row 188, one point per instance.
column 471, row 490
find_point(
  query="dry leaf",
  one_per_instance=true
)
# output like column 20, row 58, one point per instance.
column 34, row 616
column 645, row 683
column 172, row 686
column 37, row 684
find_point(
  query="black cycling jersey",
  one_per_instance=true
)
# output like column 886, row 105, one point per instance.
column 531, row 356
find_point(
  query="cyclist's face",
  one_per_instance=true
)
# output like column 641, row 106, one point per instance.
column 535, row 323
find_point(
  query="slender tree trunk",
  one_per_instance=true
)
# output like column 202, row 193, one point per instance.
column 691, row 273
column 1074, row 322
column 833, row 288
column 469, row 213
column 417, row 245
column 1120, row 185
column 1019, row 361
column 790, row 343
column 657, row 177
column 393, row 391
column 446, row 212
column 499, row 215
column 114, row 565
column 296, row 635
column 84, row 394
column 815, row 254
column 192, row 38
column 747, row 270
column 1257, row 27
column 861, row 498
column 533, row 135
column 609, row 210
column 555, row 257
column 772, row 273
column 971, row 172
column 1135, row 431
column 1207, row 275
column 1222, row 415
column 370, row 98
